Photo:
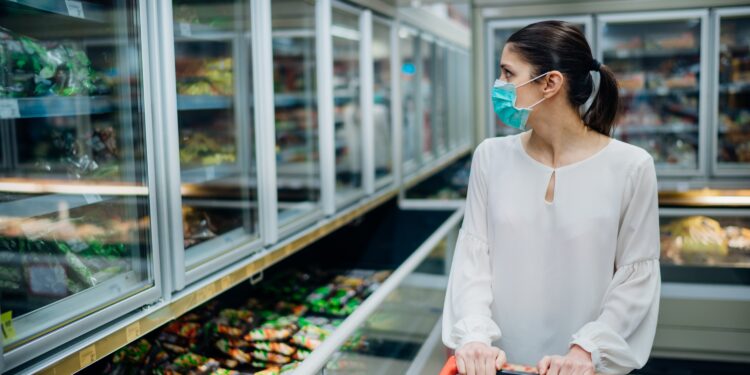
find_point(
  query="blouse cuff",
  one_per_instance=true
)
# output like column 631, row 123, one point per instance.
column 475, row 329
column 610, row 353
column 583, row 338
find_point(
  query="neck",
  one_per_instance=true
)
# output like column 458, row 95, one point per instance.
column 555, row 136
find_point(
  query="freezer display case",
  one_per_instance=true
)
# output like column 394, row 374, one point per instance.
column 409, row 52
column 309, row 301
column 705, row 273
column 402, row 335
column 75, row 209
column 733, row 116
column 706, row 240
column 498, row 31
column 427, row 96
column 382, row 51
column 214, row 113
column 657, row 59
column 295, row 87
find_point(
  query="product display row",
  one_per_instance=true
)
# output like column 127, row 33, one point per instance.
column 669, row 107
column 275, row 329
column 196, row 134
column 274, row 326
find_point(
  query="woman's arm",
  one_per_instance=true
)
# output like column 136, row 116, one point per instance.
column 467, row 316
column 620, row 339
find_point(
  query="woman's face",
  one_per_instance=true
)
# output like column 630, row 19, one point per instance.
column 515, row 70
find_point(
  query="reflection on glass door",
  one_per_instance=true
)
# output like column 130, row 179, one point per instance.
column 294, row 64
column 440, row 99
column 217, row 153
column 382, row 50
column 426, row 93
column 733, row 149
column 74, row 195
column 346, row 86
column 657, row 64
column 408, row 46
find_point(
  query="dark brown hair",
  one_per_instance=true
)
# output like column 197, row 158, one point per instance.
column 557, row 45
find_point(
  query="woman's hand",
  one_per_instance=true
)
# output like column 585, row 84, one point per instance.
column 576, row 362
column 476, row 358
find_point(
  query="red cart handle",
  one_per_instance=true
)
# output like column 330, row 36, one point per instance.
column 451, row 368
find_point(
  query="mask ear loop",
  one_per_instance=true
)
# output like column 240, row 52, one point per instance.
column 533, row 79
column 596, row 80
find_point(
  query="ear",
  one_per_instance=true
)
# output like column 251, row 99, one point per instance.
column 553, row 83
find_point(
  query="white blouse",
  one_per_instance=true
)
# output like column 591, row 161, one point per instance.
column 533, row 277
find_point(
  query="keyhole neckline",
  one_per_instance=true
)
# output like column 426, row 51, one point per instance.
column 522, row 148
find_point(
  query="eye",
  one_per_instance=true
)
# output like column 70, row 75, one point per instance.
column 508, row 74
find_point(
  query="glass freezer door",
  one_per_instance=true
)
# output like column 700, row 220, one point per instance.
column 498, row 32
column 733, row 121
column 294, row 65
column 348, row 127
column 440, row 98
column 409, row 49
column 427, row 96
column 382, row 51
column 214, row 110
column 75, row 229
column 657, row 59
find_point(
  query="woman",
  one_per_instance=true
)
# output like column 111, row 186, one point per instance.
column 556, row 263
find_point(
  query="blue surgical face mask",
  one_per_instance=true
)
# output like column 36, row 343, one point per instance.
column 504, row 102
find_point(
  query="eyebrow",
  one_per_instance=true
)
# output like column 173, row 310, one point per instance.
column 505, row 66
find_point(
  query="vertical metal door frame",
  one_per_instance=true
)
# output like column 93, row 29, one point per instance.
column 323, row 48
column 366, row 101
column 396, row 105
column 265, row 139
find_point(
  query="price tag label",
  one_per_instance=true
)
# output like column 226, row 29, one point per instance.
column 185, row 29
column 206, row 293
column 92, row 198
column 9, row 108
column 75, row 8
column 6, row 322
column 87, row 356
column 133, row 331
column 226, row 282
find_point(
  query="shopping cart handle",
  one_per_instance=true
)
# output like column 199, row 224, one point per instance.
column 451, row 368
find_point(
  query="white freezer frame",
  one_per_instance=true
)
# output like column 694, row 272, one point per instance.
column 716, row 168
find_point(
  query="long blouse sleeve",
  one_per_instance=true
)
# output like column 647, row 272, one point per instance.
column 467, row 315
column 620, row 339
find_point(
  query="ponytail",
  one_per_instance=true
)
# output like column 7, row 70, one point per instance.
column 602, row 113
